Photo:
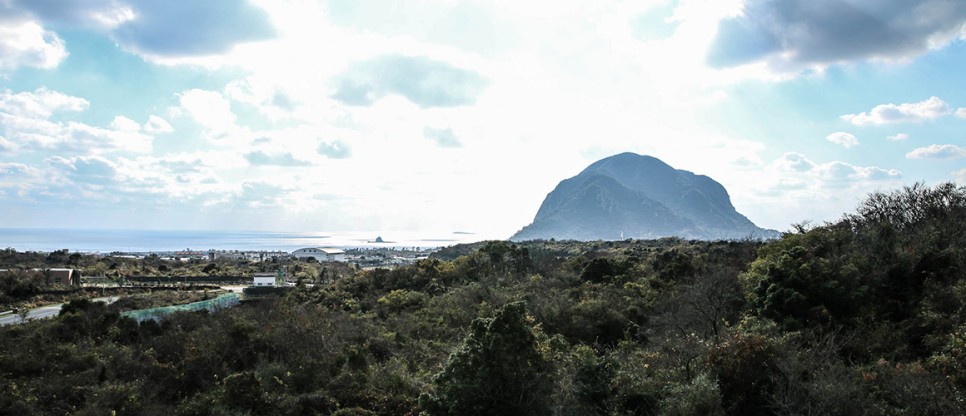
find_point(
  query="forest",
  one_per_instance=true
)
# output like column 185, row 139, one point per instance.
column 865, row 315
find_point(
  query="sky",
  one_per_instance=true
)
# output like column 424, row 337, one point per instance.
column 448, row 115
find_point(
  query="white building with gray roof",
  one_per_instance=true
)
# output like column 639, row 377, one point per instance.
column 320, row 253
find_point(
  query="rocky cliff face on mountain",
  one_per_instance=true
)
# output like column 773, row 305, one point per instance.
column 641, row 197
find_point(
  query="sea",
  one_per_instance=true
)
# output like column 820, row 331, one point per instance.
column 157, row 241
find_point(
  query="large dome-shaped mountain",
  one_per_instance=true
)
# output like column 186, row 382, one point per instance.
column 634, row 196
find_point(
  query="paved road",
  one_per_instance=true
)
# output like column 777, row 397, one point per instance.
column 44, row 312
column 235, row 288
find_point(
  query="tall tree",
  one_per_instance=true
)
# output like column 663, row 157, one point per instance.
column 498, row 370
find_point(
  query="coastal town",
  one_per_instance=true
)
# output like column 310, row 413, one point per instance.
column 63, row 268
column 62, row 273
column 363, row 257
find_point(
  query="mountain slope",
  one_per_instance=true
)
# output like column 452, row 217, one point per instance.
column 634, row 196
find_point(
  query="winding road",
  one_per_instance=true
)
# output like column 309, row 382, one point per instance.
column 44, row 312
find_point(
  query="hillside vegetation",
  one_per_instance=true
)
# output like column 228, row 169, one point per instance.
column 866, row 315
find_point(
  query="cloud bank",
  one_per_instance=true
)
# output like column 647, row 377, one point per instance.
column 423, row 81
column 799, row 167
column 274, row 159
column 167, row 29
column 27, row 122
column 938, row 151
column 793, row 35
column 929, row 109
column 192, row 28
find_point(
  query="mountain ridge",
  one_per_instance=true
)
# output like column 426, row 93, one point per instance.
column 638, row 196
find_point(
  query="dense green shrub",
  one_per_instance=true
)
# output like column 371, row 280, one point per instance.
column 500, row 369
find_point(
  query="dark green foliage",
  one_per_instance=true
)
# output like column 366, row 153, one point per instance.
column 599, row 269
column 673, row 264
column 496, row 251
column 599, row 320
column 593, row 381
column 892, row 272
column 950, row 360
column 16, row 285
column 807, row 279
column 500, row 369
column 57, row 257
column 699, row 396
column 909, row 240
column 744, row 365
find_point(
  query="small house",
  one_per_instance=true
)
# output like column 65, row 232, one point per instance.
column 264, row 279
column 66, row 277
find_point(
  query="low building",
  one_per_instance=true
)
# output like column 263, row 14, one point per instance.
column 66, row 277
column 264, row 279
column 320, row 254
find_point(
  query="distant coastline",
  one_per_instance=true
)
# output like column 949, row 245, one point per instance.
column 144, row 241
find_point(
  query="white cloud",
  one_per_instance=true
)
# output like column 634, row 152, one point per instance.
column 335, row 149
column 180, row 176
column 261, row 195
column 274, row 159
column 125, row 125
column 184, row 182
column 897, row 137
column 424, row 81
column 961, row 112
column 157, row 124
column 6, row 146
column 929, row 109
column 25, row 121
column 143, row 185
column 269, row 98
column 91, row 173
column 210, row 109
column 443, row 137
column 113, row 17
column 18, row 175
column 41, row 103
column 17, row 180
column 27, row 44
column 836, row 171
column 937, row 151
column 960, row 176
column 841, row 138
column 80, row 137
column 793, row 162
column 793, row 188
column 794, row 167
column 877, row 174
